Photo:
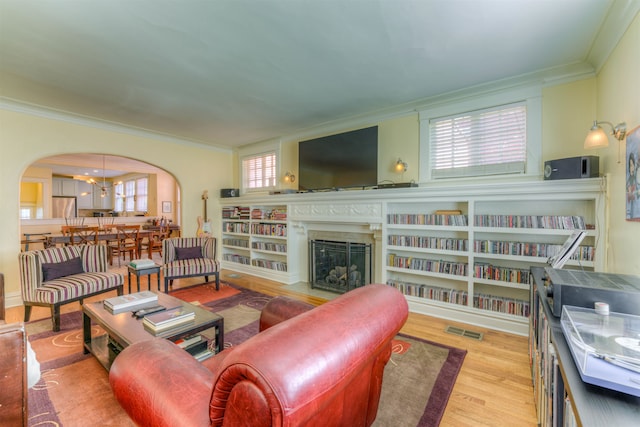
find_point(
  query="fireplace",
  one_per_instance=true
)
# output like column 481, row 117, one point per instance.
column 339, row 266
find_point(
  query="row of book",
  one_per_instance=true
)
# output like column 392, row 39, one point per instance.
column 481, row 301
column 436, row 293
column 427, row 219
column 279, row 230
column 270, row 264
column 553, row 222
column 240, row 243
column 544, row 250
column 424, row 264
column 513, row 306
column 235, row 227
column 275, row 214
column 130, row 302
column 428, row 242
column 236, row 212
column 270, row 246
column 504, row 274
column 240, row 259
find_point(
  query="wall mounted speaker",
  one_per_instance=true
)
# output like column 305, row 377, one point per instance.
column 572, row 168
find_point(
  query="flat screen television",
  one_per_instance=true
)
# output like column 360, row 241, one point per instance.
column 344, row 160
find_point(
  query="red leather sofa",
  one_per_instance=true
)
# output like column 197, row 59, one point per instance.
column 322, row 367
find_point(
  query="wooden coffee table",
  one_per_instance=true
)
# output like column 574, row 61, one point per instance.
column 121, row 330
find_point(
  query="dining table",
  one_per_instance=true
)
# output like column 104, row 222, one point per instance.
column 56, row 239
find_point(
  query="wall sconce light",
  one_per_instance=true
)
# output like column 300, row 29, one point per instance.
column 289, row 177
column 597, row 138
column 401, row 166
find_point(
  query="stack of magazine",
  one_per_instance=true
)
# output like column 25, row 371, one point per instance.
column 196, row 345
column 141, row 264
column 131, row 302
column 173, row 318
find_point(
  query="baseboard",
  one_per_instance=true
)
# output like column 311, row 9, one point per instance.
column 12, row 299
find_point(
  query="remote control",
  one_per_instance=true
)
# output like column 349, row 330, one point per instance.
column 141, row 313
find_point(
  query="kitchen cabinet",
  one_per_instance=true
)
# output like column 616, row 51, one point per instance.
column 64, row 187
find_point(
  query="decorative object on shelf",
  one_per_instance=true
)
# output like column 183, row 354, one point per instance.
column 400, row 166
column 633, row 176
column 289, row 177
column 204, row 226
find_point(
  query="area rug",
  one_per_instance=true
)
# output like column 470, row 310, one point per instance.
column 74, row 389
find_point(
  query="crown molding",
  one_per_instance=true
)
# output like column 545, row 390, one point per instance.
column 615, row 24
column 15, row 106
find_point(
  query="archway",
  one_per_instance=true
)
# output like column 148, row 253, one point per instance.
column 99, row 185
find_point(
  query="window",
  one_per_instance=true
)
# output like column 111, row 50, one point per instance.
column 142, row 184
column 118, row 191
column 485, row 142
column 487, row 135
column 132, row 195
column 259, row 171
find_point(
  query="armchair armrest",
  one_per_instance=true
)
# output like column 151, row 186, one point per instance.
column 159, row 372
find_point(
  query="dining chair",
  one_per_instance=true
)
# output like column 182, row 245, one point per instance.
column 83, row 235
column 127, row 241
column 74, row 221
column 154, row 241
column 106, row 224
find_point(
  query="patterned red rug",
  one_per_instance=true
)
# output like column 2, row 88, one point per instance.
column 74, row 389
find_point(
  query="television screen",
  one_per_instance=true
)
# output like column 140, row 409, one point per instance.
column 344, row 160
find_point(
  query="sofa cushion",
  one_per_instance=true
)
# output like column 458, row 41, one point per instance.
column 54, row 270
column 189, row 253
column 75, row 286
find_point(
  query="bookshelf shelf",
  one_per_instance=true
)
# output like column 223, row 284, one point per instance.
column 497, row 237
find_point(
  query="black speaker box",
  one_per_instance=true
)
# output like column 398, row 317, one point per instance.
column 572, row 168
column 229, row 192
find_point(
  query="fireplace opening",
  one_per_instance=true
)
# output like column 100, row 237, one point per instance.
column 339, row 266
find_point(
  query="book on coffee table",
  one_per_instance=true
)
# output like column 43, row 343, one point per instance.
column 169, row 319
column 131, row 302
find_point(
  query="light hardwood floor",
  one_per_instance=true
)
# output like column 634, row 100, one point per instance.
column 493, row 387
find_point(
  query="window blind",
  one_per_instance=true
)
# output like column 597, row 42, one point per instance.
column 259, row 171
column 482, row 142
column 142, row 185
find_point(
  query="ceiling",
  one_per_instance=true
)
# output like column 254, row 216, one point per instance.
column 230, row 73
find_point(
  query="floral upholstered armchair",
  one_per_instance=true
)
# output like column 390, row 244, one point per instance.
column 189, row 257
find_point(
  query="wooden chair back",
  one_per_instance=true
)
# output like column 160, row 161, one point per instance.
column 83, row 235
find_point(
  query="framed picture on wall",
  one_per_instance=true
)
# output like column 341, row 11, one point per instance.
column 166, row 207
column 632, row 186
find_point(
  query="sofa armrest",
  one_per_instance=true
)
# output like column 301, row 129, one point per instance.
column 281, row 308
column 159, row 384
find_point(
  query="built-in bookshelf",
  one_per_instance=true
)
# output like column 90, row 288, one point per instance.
column 471, row 254
column 459, row 252
column 255, row 239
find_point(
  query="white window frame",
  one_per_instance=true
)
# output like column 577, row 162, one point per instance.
column 257, row 150
column 135, row 199
column 531, row 97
